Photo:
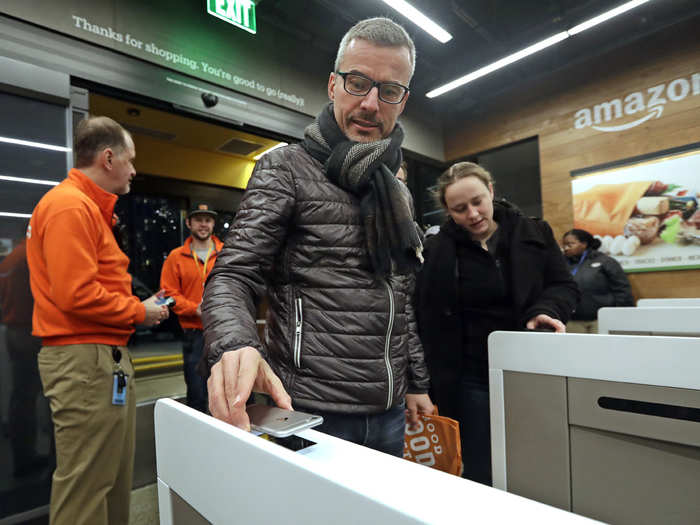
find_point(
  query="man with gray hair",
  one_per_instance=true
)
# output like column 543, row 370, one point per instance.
column 326, row 231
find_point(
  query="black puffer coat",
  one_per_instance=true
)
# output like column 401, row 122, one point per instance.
column 340, row 340
column 540, row 283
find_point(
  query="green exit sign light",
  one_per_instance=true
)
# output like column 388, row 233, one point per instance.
column 240, row 13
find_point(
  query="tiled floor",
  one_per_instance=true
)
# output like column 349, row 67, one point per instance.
column 155, row 348
column 144, row 506
column 32, row 492
column 162, row 385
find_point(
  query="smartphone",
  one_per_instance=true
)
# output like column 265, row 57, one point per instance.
column 167, row 301
column 278, row 422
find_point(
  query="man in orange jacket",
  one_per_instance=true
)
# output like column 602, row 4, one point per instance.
column 84, row 312
column 182, row 277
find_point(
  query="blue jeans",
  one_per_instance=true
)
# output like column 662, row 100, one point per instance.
column 475, row 430
column 192, row 348
column 383, row 432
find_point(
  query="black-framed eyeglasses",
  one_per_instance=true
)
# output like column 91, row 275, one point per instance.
column 359, row 85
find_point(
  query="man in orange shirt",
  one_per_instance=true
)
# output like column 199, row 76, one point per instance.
column 84, row 312
column 183, row 276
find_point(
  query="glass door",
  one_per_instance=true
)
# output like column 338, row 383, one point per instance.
column 35, row 155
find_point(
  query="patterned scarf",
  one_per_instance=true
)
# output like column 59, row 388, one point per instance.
column 366, row 169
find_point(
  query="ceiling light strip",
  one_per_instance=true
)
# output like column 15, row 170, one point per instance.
column 534, row 48
column 605, row 16
column 15, row 215
column 418, row 18
column 20, row 142
column 257, row 157
column 29, row 181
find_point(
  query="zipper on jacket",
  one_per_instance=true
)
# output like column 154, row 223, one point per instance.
column 387, row 347
column 298, row 321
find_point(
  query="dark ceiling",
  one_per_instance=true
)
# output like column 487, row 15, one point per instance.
column 483, row 31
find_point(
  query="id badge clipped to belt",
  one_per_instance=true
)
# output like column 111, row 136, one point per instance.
column 120, row 379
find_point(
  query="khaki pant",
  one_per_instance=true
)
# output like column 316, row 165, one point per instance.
column 582, row 327
column 94, row 438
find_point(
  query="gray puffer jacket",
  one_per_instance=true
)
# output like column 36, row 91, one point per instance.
column 339, row 339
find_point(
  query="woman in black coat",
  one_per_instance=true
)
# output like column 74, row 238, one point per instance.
column 600, row 278
column 489, row 268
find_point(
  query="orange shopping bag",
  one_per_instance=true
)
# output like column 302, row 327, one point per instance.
column 435, row 443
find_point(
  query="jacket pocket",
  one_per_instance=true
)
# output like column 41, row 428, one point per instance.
column 298, row 328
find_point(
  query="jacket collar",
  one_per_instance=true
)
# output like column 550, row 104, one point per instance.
column 218, row 245
column 592, row 256
column 104, row 199
column 508, row 219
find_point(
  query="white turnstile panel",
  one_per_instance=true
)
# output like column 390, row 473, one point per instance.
column 230, row 476
column 655, row 303
column 642, row 360
column 657, row 320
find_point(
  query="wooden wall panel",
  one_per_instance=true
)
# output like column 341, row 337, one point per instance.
column 547, row 109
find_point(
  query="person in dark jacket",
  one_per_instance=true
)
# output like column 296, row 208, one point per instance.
column 600, row 278
column 489, row 268
column 325, row 230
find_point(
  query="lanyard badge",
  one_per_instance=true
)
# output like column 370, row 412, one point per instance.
column 204, row 262
column 119, row 379
column 580, row 262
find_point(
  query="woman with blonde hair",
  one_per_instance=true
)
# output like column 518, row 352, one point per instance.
column 489, row 268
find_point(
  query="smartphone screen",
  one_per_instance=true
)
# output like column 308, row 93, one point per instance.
column 167, row 301
column 278, row 422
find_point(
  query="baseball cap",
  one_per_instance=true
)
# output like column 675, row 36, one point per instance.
column 203, row 208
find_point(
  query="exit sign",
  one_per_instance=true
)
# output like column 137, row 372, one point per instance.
column 240, row 13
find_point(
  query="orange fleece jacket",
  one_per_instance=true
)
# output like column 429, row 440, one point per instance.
column 182, row 279
column 78, row 274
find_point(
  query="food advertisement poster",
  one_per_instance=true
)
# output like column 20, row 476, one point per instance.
column 644, row 211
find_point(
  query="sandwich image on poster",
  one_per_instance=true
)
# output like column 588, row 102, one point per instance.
column 645, row 212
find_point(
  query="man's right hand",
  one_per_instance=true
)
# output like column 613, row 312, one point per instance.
column 155, row 313
column 234, row 377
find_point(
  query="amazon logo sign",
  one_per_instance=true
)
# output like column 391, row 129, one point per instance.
column 644, row 105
